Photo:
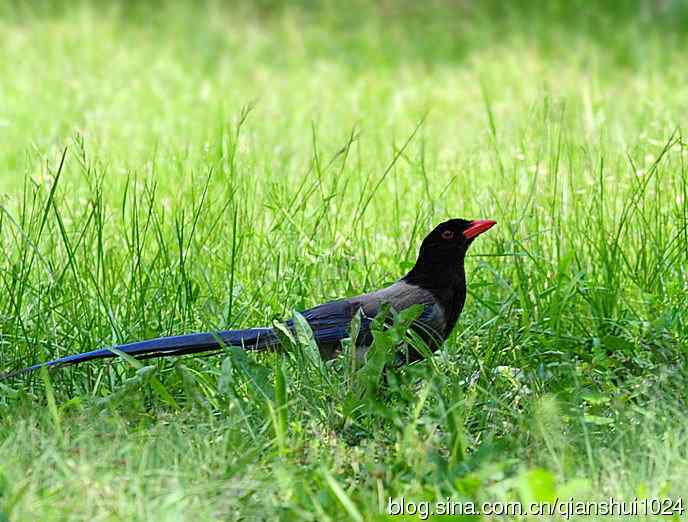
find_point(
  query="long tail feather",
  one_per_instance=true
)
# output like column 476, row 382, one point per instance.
column 249, row 339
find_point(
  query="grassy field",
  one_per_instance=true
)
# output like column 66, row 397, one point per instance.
column 188, row 166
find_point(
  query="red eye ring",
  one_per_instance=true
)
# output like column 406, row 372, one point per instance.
column 447, row 234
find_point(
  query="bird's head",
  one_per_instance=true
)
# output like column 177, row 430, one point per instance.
column 448, row 242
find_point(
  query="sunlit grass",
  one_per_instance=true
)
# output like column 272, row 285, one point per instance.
column 226, row 165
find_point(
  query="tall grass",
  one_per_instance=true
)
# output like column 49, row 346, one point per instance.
column 199, row 165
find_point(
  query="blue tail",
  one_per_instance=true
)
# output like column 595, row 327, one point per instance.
column 249, row 339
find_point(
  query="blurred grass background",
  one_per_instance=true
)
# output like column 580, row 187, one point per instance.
column 228, row 162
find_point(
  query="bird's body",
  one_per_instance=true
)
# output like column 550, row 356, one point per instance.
column 431, row 325
column 437, row 282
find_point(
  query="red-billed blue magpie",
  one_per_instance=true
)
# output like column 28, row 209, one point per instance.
column 437, row 281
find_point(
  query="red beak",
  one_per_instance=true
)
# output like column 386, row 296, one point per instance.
column 477, row 227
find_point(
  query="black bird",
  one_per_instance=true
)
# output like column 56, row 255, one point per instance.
column 437, row 281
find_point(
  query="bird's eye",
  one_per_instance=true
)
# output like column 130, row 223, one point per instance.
column 447, row 234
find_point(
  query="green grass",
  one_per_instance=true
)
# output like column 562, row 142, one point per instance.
column 191, row 166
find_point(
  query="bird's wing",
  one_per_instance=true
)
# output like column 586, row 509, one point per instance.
column 331, row 321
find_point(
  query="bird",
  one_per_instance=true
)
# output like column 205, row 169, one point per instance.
column 436, row 282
